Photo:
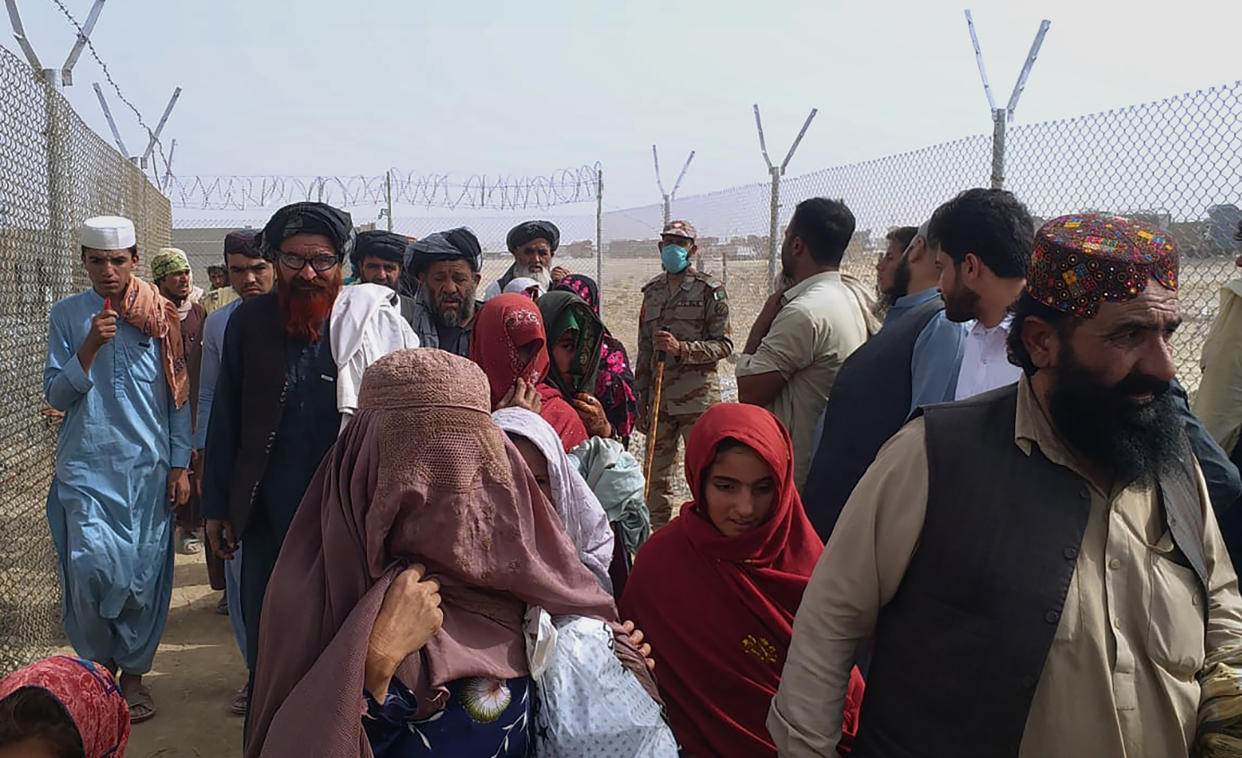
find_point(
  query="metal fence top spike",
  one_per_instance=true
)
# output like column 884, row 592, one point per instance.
column 763, row 146
column 1020, row 85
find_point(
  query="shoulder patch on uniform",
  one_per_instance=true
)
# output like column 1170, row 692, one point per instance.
column 659, row 278
column 719, row 293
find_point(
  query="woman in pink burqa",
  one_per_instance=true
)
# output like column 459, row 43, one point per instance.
column 350, row 660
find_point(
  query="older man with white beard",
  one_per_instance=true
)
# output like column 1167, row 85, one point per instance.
column 533, row 245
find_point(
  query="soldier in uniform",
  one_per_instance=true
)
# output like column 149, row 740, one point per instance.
column 685, row 316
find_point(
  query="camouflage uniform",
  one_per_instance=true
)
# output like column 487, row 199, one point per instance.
column 697, row 314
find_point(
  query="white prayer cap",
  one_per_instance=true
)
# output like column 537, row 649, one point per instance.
column 108, row 233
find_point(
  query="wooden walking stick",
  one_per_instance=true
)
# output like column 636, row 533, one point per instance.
column 652, row 423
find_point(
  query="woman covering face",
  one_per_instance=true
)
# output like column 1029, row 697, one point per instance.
column 614, row 384
column 420, row 476
column 510, row 345
column 558, row 478
column 717, row 589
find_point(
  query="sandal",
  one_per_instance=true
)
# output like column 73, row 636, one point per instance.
column 141, row 706
column 188, row 543
column 240, row 703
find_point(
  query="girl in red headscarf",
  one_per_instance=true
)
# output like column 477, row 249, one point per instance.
column 715, row 592
column 63, row 706
column 510, row 345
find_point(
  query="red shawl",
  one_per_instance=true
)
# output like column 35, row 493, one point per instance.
column 502, row 325
column 719, row 611
column 87, row 693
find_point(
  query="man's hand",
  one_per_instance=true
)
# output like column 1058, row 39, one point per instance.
column 591, row 411
column 221, row 538
column 665, row 342
column 178, row 488
column 103, row 330
column 522, row 394
column 637, row 637
column 559, row 273
column 409, row 616
column 763, row 322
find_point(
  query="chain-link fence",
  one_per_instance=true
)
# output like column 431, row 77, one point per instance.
column 54, row 173
column 1176, row 162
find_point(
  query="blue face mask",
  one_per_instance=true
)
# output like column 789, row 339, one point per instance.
column 675, row 257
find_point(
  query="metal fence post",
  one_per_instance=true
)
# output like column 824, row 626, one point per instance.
column 777, row 172
column 999, row 119
column 599, row 237
column 388, row 195
column 1001, row 116
column 774, row 222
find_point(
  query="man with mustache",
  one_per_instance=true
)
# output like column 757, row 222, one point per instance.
column 898, row 240
column 442, row 270
column 533, row 245
column 1070, row 593
column 379, row 258
column 982, row 243
column 278, row 401
column 250, row 275
column 116, row 369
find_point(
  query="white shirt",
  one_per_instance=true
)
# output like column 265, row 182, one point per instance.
column 985, row 360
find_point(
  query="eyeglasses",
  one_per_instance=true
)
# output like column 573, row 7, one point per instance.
column 321, row 262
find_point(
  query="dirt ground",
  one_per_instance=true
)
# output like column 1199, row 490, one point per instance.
column 197, row 670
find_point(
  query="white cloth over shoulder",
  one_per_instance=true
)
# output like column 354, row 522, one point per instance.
column 584, row 518
column 586, row 702
column 365, row 326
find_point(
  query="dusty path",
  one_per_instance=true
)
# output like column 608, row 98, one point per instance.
column 197, row 670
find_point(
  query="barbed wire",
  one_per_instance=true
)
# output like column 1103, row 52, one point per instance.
column 90, row 46
column 561, row 187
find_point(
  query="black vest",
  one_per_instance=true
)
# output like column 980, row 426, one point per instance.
column 869, row 402
column 961, row 646
column 264, row 382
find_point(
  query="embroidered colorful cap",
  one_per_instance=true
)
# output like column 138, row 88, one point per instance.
column 1083, row 260
column 169, row 260
column 680, row 228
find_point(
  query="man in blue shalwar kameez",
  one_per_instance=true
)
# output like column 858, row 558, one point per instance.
column 116, row 368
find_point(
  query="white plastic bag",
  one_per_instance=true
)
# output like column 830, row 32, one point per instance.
column 587, row 703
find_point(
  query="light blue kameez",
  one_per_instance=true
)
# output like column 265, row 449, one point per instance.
column 108, row 503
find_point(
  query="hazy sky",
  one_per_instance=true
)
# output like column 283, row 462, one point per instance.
column 319, row 87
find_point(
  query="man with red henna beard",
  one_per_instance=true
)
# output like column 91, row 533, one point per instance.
column 277, row 408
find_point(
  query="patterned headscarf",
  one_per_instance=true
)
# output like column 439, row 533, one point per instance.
column 614, row 386
column 169, row 260
column 566, row 312
column 1083, row 260
column 89, row 696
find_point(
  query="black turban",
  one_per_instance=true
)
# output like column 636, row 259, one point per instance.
column 241, row 242
column 308, row 218
column 533, row 230
column 455, row 244
column 379, row 244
